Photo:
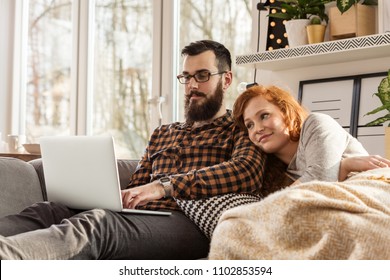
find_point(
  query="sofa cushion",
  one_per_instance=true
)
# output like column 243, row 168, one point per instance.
column 19, row 186
column 126, row 168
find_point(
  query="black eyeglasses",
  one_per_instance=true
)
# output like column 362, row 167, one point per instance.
column 200, row 76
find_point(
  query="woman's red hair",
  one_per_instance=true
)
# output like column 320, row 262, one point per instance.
column 293, row 113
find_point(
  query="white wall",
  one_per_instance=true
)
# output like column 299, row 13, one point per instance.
column 6, row 58
column 290, row 78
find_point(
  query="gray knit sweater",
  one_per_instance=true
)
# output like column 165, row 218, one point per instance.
column 322, row 145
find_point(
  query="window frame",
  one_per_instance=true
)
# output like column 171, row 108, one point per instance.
column 83, row 64
column 163, row 97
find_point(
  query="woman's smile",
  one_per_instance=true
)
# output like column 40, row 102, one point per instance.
column 264, row 138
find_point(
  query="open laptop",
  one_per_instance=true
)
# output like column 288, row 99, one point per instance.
column 82, row 173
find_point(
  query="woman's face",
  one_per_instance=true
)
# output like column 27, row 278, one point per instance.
column 266, row 127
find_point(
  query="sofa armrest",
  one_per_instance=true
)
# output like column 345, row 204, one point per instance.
column 126, row 168
column 37, row 164
column 19, row 186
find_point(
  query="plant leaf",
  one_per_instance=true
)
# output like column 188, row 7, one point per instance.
column 379, row 121
column 300, row 9
column 344, row 5
column 370, row 2
column 384, row 90
column 381, row 108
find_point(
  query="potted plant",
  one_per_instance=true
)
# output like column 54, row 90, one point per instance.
column 352, row 18
column 345, row 5
column 315, row 30
column 384, row 96
column 297, row 14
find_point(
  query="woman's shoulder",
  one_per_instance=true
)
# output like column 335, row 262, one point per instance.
column 320, row 122
column 319, row 117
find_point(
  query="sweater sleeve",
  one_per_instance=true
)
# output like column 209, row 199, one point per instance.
column 321, row 148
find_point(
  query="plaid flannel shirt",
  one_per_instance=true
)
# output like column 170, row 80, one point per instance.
column 214, row 159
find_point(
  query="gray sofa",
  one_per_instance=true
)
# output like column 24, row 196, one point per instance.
column 22, row 183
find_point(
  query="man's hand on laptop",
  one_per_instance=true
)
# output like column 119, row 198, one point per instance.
column 141, row 195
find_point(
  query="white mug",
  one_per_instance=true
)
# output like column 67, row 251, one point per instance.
column 3, row 146
column 15, row 143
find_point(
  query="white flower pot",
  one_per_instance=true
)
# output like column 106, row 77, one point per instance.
column 296, row 32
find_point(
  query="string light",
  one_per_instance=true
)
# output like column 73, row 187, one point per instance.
column 276, row 37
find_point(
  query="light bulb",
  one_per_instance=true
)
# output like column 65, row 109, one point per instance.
column 242, row 87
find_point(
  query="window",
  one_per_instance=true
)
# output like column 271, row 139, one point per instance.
column 109, row 66
column 115, row 83
column 123, row 73
column 226, row 21
column 49, row 57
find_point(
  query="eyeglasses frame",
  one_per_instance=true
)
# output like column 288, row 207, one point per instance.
column 193, row 76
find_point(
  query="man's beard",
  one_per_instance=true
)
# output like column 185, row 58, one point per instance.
column 208, row 108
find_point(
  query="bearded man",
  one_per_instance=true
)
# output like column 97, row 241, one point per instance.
column 202, row 157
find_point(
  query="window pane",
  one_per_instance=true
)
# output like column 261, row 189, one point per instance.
column 48, row 68
column 123, row 73
column 226, row 21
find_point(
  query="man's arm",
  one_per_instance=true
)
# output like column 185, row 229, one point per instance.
column 243, row 172
column 141, row 195
column 143, row 171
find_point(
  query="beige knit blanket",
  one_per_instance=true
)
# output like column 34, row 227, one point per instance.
column 315, row 220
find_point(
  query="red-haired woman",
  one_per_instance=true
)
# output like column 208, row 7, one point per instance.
column 314, row 146
column 319, row 218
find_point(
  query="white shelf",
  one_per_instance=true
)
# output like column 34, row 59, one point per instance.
column 347, row 50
